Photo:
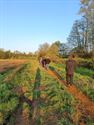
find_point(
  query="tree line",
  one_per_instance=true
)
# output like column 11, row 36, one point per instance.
column 81, row 37
column 44, row 50
column 14, row 55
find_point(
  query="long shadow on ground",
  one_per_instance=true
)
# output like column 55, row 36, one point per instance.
column 36, row 99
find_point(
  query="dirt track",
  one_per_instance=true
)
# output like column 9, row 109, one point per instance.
column 86, row 106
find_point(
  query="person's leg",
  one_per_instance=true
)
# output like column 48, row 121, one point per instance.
column 42, row 63
column 71, row 79
column 47, row 66
column 67, row 79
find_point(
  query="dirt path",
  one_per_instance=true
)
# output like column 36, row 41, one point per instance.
column 86, row 106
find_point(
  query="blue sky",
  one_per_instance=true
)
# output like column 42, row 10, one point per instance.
column 25, row 24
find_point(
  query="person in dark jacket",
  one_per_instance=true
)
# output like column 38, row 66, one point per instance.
column 70, row 66
column 45, row 62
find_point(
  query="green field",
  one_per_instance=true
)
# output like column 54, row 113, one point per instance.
column 30, row 95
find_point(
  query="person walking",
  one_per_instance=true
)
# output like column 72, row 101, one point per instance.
column 70, row 66
column 46, row 62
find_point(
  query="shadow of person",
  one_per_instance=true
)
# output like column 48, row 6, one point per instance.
column 36, row 91
column 36, row 98
column 37, row 79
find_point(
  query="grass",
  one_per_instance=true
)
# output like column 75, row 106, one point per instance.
column 8, row 99
column 55, row 106
column 85, row 72
column 56, row 101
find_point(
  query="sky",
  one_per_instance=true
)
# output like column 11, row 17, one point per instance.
column 25, row 24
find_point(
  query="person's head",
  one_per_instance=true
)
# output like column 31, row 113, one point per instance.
column 71, row 56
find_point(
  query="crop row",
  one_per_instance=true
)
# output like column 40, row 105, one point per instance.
column 8, row 99
column 83, row 82
column 16, row 86
column 51, row 103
